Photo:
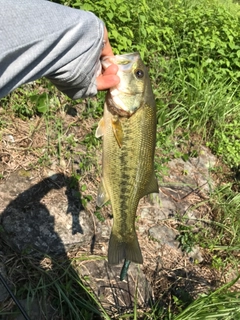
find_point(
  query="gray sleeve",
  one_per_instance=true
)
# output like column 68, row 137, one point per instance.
column 39, row 38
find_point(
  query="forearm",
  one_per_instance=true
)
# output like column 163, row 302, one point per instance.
column 39, row 38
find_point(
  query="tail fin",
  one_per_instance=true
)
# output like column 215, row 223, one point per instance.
column 119, row 250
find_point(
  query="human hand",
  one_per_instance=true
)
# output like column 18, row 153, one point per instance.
column 109, row 76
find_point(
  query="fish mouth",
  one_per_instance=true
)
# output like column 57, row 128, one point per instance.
column 126, row 64
column 124, row 60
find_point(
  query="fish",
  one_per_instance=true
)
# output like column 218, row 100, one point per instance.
column 128, row 129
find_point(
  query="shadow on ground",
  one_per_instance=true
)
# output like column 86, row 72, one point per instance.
column 37, row 260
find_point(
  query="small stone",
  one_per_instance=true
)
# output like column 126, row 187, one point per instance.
column 63, row 163
column 196, row 255
column 52, row 175
column 144, row 213
column 9, row 138
column 142, row 229
column 164, row 235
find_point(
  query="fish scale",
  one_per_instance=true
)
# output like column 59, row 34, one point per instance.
column 127, row 173
column 128, row 168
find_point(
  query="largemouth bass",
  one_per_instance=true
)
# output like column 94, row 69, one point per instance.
column 128, row 128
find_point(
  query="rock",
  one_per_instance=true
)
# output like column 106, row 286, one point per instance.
column 45, row 216
column 195, row 255
column 186, row 179
column 164, row 235
column 116, row 295
column 167, row 207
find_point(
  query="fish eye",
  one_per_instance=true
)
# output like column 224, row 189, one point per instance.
column 139, row 73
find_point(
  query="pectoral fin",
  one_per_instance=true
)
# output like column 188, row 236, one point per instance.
column 102, row 196
column 152, row 186
column 117, row 130
column 100, row 129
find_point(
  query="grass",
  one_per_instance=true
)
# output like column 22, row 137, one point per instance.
column 217, row 305
column 194, row 109
column 54, row 285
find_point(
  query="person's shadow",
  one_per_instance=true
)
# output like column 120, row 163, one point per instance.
column 29, row 230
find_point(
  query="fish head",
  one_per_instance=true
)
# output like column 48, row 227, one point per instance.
column 129, row 94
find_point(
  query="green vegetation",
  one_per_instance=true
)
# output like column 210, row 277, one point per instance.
column 193, row 51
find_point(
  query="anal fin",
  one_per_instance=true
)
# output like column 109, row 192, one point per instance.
column 152, row 186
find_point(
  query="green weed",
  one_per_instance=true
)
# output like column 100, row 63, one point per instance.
column 220, row 304
column 186, row 238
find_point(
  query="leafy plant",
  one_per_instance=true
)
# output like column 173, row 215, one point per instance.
column 41, row 102
column 186, row 238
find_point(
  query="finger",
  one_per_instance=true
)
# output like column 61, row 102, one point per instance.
column 105, row 82
column 112, row 69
